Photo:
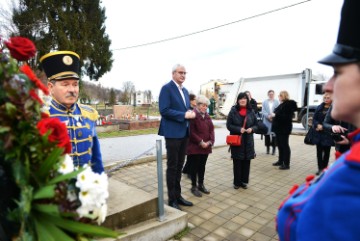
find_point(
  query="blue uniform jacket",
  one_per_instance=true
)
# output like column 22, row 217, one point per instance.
column 172, row 109
column 326, row 208
column 80, row 122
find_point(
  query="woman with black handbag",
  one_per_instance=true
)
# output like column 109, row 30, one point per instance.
column 321, row 138
column 239, row 114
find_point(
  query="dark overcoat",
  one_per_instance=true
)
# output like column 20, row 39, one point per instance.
column 323, row 137
column 201, row 129
column 282, row 122
column 234, row 124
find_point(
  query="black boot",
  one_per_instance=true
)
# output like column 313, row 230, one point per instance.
column 284, row 167
column 277, row 163
column 273, row 150
column 195, row 191
column 268, row 150
column 203, row 189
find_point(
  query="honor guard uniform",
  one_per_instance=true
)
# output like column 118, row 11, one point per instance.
column 328, row 207
column 79, row 119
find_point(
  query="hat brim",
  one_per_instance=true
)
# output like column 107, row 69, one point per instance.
column 333, row 59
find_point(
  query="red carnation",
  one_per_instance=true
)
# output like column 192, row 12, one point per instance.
column 35, row 96
column 21, row 48
column 58, row 132
column 30, row 74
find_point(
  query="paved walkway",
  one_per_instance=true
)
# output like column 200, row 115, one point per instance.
column 229, row 214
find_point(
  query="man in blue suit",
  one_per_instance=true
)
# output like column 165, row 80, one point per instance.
column 174, row 105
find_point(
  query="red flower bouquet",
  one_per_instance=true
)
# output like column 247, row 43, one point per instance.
column 41, row 197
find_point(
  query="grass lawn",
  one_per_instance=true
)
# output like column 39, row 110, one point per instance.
column 128, row 133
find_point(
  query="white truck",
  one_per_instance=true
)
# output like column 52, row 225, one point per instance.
column 302, row 87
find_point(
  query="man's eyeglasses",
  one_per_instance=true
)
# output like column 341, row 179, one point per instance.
column 181, row 72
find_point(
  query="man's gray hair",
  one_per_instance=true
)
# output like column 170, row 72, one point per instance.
column 177, row 66
column 201, row 99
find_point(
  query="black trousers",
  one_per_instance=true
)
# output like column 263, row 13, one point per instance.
column 241, row 170
column 323, row 155
column 270, row 140
column 284, row 148
column 175, row 152
column 187, row 167
column 197, row 168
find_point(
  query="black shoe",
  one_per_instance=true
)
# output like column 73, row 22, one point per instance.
column 174, row 205
column 273, row 151
column 283, row 167
column 203, row 189
column 183, row 202
column 195, row 191
column 243, row 185
column 267, row 150
column 276, row 164
column 236, row 187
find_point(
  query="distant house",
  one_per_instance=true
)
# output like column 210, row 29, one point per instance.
column 142, row 98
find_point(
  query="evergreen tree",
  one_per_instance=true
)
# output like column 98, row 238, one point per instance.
column 112, row 99
column 75, row 25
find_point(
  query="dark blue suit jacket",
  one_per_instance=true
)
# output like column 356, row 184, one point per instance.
column 172, row 109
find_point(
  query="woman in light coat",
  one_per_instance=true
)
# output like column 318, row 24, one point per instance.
column 268, row 107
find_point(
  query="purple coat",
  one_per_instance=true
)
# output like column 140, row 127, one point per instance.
column 201, row 128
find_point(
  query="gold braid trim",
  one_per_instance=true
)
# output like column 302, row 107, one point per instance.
column 88, row 112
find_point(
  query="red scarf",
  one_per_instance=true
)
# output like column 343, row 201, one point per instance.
column 242, row 111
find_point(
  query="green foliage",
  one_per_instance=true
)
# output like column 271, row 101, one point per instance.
column 112, row 100
column 78, row 26
column 33, row 200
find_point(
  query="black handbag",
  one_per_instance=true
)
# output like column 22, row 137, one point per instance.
column 261, row 127
column 309, row 137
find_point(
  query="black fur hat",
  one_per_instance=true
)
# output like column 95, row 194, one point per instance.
column 347, row 47
column 61, row 65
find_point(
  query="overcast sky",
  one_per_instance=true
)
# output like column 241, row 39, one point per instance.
column 285, row 41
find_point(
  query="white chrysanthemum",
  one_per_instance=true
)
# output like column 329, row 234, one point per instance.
column 67, row 165
column 100, row 213
column 93, row 194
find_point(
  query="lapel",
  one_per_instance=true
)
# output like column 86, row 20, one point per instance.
column 177, row 93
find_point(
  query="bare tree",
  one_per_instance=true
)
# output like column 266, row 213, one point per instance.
column 322, row 77
column 147, row 96
column 127, row 90
column 7, row 26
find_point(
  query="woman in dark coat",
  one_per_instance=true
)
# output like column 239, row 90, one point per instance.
column 322, row 139
column 187, row 165
column 282, row 126
column 201, row 140
column 242, row 154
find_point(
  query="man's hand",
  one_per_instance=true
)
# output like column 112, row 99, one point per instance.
column 344, row 141
column 338, row 129
column 190, row 114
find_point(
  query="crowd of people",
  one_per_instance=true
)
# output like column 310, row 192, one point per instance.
column 309, row 213
column 189, row 134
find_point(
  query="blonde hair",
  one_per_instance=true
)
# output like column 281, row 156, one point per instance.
column 285, row 95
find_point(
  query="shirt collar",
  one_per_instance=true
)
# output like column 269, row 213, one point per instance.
column 179, row 86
